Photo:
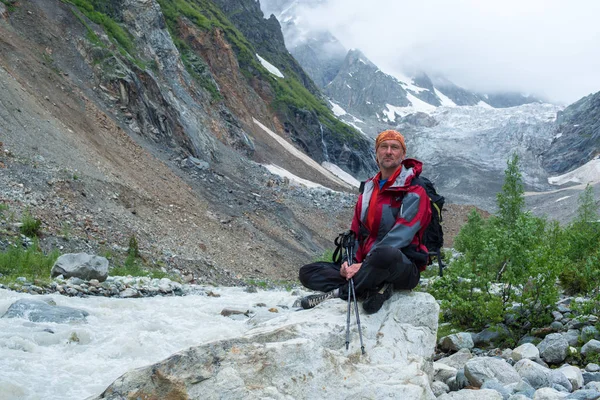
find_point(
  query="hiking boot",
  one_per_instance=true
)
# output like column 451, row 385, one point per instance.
column 375, row 300
column 315, row 299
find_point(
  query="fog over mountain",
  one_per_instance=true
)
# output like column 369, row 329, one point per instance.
column 546, row 52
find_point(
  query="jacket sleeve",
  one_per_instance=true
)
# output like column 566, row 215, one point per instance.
column 414, row 215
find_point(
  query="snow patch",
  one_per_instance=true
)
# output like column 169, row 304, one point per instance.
column 420, row 105
column 270, row 67
column 276, row 170
column 446, row 101
column 352, row 124
column 300, row 155
column 337, row 110
column 562, row 198
column 483, row 104
column 417, row 105
column 558, row 135
column 587, row 173
column 340, row 173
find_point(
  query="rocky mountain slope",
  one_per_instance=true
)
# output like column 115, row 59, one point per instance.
column 577, row 135
column 138, row 119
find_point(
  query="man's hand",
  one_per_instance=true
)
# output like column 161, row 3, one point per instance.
column 349, row 271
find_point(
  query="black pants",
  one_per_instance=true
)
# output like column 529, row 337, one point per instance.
column 383, row 265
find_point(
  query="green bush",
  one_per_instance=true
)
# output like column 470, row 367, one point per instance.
column 30, row 226
column 30, row 263
column 508, row 267
column 579, row 243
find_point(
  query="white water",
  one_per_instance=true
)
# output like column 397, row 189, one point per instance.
column 120, row 334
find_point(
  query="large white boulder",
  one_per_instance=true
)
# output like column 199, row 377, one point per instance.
column 302, row 355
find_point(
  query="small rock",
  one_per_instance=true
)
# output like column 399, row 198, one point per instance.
column 227, row 312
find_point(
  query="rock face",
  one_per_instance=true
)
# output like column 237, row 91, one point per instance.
column 40, row 311
column 81, row 265
column 577, row 138
column 321, row 138
column 302, row 355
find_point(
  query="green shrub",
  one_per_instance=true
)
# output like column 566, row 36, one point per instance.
column 508, row 267
column 327, row 256
column 30, row 226
column 30, row 263
column 579, row 243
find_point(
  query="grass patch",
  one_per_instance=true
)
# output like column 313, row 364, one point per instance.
column 10, row 5
column 118, row 34
column 30, row 226
column 327, row 256
column 30, row 263
column 3, row 207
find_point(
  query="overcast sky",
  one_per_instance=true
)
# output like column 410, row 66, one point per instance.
column 549, row 48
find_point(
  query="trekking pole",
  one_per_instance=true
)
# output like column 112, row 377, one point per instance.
column 348, row 246
column 348, row 322
column 362, row 345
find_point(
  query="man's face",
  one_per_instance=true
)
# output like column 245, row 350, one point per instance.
column 390, row 154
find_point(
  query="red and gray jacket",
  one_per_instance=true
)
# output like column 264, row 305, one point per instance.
column 395, row 215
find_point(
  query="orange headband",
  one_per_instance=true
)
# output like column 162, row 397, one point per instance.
column 390, row 135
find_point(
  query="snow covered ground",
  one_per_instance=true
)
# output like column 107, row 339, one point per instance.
column 587, row 173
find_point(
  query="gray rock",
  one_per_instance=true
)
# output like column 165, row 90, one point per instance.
column 41, row 311
column 534, row 374
column 443, row 372
column 573, row 374
column 563, row 308
column 588, row 333
column 554, row 348
column 459, row 382
column 591, row 347
column 592, row 386
column 129, row 293
column 480, row 369
column 592, row 367
column 557, row 315
column 572, row 337
column 468, row 394
column 522, row 388
column 458, row 359
column 81, row 265
column 557, row 378
column 584, row 395
column 490, row 335
column 519, row 396
column 590, row 377
column 456, row 341
column 526, row 350
column 439, row 388
column 547, row 393
column 498, row 387
column 527, row 339
column 556, row 326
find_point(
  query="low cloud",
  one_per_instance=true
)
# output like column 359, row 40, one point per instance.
column 548, row 48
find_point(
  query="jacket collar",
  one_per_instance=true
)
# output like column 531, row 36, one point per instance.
column 403, row 176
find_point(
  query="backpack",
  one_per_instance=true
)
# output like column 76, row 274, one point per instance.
column 433, row 237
